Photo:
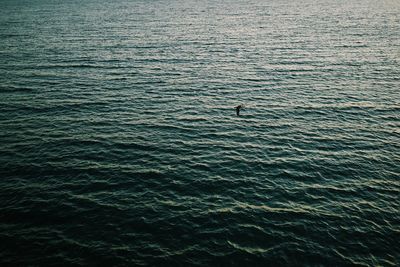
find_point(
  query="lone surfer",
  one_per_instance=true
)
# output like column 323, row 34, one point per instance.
column 238, row 109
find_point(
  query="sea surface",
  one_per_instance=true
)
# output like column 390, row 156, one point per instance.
column 120, row 145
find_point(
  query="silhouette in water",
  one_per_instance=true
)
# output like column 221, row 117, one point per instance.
column 238, row 109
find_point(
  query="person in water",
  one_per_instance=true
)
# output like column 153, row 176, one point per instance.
column 238, row 109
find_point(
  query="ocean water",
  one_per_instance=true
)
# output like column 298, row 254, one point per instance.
column 120, row 146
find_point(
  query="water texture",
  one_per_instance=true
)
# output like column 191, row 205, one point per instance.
column 119, row 142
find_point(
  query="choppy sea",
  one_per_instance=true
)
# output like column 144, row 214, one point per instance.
column 120, row 145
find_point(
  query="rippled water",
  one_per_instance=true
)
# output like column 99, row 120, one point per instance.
column 120, row 144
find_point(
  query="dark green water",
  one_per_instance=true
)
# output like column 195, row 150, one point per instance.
column 119, row 143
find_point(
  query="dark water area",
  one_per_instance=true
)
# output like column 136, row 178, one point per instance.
column 120, row 146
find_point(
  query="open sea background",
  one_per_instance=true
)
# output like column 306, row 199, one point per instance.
column 119, row 143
